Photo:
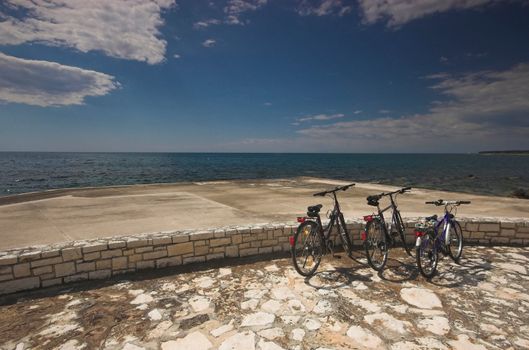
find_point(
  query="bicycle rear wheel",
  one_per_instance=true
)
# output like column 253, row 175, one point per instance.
column 307, row 249
column 375, row 245
column 408, row 246
column 426, row 255
column 455, row 243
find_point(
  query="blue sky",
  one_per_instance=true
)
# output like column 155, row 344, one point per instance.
column 264, row 75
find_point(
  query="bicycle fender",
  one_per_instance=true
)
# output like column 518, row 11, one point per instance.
column 418, row 242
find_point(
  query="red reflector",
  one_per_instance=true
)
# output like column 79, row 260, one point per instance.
column 368, row 218
column 419, row 234
column 301, row 219
column 291, row 239
column 363, row 235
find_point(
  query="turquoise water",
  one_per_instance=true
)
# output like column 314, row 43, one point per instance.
column 30, row 171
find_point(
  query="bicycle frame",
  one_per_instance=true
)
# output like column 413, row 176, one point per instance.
column 392, row 205
column 336, row 215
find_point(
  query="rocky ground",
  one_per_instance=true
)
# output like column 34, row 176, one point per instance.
column 481, row 304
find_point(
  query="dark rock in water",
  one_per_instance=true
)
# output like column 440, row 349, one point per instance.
column 521, row 193
column 471, row 176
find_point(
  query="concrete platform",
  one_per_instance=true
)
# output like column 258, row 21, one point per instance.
column 481, row 304
column 66, row 215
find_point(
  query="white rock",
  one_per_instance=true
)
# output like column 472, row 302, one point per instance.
column 255, row 293
column 217, row 332
column 463, row 343
column 204, row 282
column 199, row 303
column 239, row 341
column 135, row 292
column 296, row 306
column 513, row 267
column 420, row 297
column 249, row 304
column 364, row 337
column 389, row 322
column 155, row 315
column 272, row 268
column 312, row 324
column 436, row 325
column 290, row 319
column 20, row 346
column 142, row 299
column 282, row 293
column 224, row 272
column 142, row 307
column 271, row 333
column 71, row 345
column 268, row 345
column 298, row 334
column 322, row 307
column 258, row 319
column 159, row 330
column 195, row 341
column 130, row 346
column 271, row 306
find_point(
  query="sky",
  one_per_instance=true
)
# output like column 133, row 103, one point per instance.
column 353, row 76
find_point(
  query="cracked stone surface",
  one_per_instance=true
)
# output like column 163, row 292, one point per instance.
column 481, row 304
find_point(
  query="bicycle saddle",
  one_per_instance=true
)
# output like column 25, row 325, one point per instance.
column 315, row 208
column 431, row 218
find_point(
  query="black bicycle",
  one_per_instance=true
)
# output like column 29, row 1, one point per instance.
column 378, row 236
column 312, row 240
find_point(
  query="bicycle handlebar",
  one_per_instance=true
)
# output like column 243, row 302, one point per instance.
column 378, row 196
column 440, row 202
column 339, row 188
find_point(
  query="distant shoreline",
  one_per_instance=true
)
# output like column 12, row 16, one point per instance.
column 506, row 153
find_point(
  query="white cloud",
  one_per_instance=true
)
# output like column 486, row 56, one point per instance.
column 235, row 8
column 323, row 8
column 43, row 83
column 206, row 23
column 481, row 109
column 399, row 12
column 176, row 55
column 357, row 111
column 127, row 29
column 267, row 104
column 320, row 117
column 209, row 43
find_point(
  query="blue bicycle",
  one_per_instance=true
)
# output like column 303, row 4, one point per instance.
column 434, row 236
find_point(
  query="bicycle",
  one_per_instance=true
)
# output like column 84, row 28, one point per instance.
column 431, row 240
column 312, row 240
column 378, row 235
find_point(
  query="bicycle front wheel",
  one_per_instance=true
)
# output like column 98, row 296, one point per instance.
column 426, row 255
column 307, row 249
column 455, row 241
column 344, row 237
column 408, row 246
column 375, row 245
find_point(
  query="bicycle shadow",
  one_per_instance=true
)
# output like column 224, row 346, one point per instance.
column 397, row 271
column 467, row 273
column 336, row 278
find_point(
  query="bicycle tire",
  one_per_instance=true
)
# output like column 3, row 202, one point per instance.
column 426, row 252
column 376, row 240
column 402, row 233
column 344, row 237
column 307, row 240
column 458, row 233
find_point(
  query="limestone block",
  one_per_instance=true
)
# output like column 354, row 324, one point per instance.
column 180, row 249
column 64, row 269
column 19, row 285
column 69, row 254
column 100, row 274
column 96, row 247
column 119, row 263
column 21, row 270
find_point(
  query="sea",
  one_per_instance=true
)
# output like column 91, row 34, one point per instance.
column 500, row 175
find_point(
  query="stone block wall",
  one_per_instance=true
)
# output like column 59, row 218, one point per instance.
column 44, row 266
